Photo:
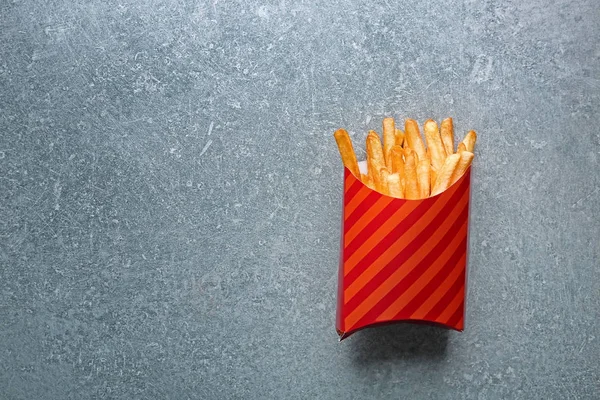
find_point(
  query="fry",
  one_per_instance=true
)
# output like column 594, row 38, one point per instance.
column 383, row 181
column 445, row 174
column 397, row 160
column 470, row 140
column 413, row 137
column 423, row 179
column 434, row 143
column 411, row 189
column 461, row 147
column 366, row 179
column 374, row 149
column 466, row 157
column 447, row 134
column 399, row 137
column 407, row 151
column 372, row 174
column 389, row 139
column 395, row 186
column 433, row 176
column 374, row 157
column 347, row 151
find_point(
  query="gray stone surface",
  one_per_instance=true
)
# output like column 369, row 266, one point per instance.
column 170, row 196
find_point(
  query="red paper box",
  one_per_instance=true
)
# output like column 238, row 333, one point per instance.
column 402, row 260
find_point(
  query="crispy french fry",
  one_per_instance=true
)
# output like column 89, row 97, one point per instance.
column 447, row 134
column 407, row 151
column 383, row 182
column 434, row 143
column 413, row 137
column 461, row 147
column 397, row 160
column 399, row 137
column 403, row 185
column 374, row 149
column 365, row 179
column 433, row 176
column 423, row 179
column 373, row 175
column 411, row 189
column 347, row 151
column 466, row 157
column 375, row 159
column 389, row 139
column 395, row 186
column 445, row 174
column 470, row 140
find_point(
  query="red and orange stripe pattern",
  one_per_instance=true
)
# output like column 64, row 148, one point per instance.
column 402, row 260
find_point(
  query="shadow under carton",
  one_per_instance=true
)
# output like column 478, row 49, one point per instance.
column 402, row 260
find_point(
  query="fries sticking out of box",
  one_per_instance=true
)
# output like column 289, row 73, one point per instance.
column 404, row 226
column 431, row 169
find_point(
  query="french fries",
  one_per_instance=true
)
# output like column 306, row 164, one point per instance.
column 443, row 179
column 470, row 140
column 389, row 140
column 375, row 160
column 395, row 185
column 398, row 160
column 405, row 166
column 466, row 157
column 423, row 178
column 411, row 190
column 347, row 151
column 434, row 143
column 366, row 179
column 399, row 137
column 413, row 137
column 384, row 175
column 447, row 134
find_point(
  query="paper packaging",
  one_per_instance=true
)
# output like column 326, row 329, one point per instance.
column 402, row 260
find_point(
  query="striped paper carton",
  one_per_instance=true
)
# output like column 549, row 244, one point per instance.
column 402, row 260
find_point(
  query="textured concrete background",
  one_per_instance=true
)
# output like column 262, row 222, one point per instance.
column 170, row 196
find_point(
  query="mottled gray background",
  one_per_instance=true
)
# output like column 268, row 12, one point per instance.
column 170, row 196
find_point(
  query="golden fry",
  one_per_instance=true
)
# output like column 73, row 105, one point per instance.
column 407, row 151
column 395, row 186
column 470, row 140
column 399, row 137
column 374, row 149
column 373, row 174
column 423, row 176
column 375, row 159
column 366, row 179
column 411, row 188
column 447, row 134
column 383, row 181
column 397, row 160
column 389, row 139
column 466, row 157
column 413, row 137
column 432, row 176
column 347, row 151
column 445, row 174
column 461, row 147
column 434, row 143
